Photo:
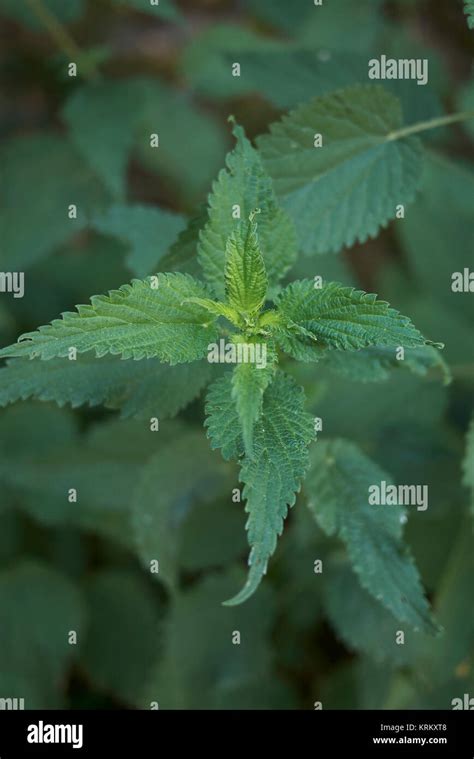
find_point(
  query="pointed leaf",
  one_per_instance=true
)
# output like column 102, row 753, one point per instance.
column 272, row 474
column 361, row 622
column 345, row 318
column 345, row 189
column 374, row 364
column 145, row 319
column 298, row 341
column 244, row 183
column 245, row 275
column 338, row 496
column 144, row 389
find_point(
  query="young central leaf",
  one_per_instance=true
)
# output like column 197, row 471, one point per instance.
column 245, row 276
column 240, row 188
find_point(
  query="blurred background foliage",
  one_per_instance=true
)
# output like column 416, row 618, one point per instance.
column 84, row 566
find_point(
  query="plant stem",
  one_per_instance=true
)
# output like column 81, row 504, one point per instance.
column 423, row 126
column 59, row 34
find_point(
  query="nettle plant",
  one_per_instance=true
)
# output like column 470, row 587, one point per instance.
column 342, row 164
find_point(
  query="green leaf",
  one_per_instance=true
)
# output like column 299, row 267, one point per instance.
column 174, row 481
column 469, row 11
column 468, row 463
column 326, row 190
column 441, row 657
column 329, row 26
column 245, row 275
column 447, row 659
column 187, row 165
column 204, row 62
column 245, row 184
column 338, row 496
column 298, row 342
column 362, row 623
column 48, row 161
column 288, row 76
column 222, row 418
column 343, row 317
column 249, row 383
column 328, row 268
column 218, row 309
column 374, row 364
column 142, row 390
column 376, row 413
column 110, row 120
column 437, row 216
column 201, row 668
column 451, row 323
column 149, row 231
column 102, row 467
column 148, row 318
column 123, row 640
column 272, row 474
column 40, row 607
column 102, row 121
